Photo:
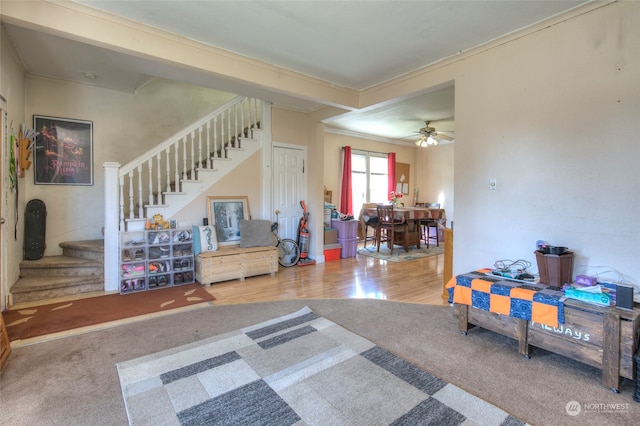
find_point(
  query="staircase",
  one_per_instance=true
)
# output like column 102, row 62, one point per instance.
column 78, row 270
column 175, row 172
column 163, row 180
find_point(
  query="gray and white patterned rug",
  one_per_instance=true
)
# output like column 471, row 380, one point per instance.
column 297, row 369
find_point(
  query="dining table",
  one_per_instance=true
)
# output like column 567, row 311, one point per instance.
column 413, row 216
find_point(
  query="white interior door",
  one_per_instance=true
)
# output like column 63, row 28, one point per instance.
column 289, row 188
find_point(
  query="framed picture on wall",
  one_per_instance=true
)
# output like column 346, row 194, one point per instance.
column 225, row 213
column 63, row 151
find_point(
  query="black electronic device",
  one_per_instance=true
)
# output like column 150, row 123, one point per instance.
column 624, row 296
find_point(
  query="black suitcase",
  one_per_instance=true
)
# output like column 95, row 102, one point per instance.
column 35, row 223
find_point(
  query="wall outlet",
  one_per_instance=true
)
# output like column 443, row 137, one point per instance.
column 493, row 184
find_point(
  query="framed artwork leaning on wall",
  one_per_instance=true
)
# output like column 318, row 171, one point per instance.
column 225, row 213
column 63, row 151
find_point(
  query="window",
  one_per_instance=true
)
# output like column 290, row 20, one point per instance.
column 369, row 172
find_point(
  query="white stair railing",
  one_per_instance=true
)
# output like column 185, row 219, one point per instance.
column 179, row 157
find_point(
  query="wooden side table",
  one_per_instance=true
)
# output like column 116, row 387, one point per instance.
column 603, row 337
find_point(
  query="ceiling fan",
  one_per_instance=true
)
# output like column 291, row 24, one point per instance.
column 430, row 137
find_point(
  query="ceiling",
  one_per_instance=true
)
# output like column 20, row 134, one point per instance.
column 353, row 44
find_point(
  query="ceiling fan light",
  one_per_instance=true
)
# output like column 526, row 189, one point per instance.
column 422, row 142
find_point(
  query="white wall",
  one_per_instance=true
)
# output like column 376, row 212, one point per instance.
column 553, row 117
column 434, row 177
column 124, row 126
column 12, row 89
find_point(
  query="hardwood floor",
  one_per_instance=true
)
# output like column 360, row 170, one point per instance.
column 360, row 277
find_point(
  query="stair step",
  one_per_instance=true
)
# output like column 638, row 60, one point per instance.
column 80, row 269
column 85, row 249
column 42, row 288
column 61, row 266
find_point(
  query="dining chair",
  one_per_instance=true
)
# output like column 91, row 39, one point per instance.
column 367, row 222
column 390, row 224
column 429, row 224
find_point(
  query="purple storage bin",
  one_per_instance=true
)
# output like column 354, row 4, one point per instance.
column 349, row 247
column 347, row 229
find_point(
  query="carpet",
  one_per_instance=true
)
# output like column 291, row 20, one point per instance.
column 52, row 318
column 399, row 255
column 296, row 369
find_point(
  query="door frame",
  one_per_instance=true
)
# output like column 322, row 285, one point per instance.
column 272, row 191
column 4, row 139
column 267, row 162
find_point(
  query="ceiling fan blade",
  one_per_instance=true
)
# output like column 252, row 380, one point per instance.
column 448, row 135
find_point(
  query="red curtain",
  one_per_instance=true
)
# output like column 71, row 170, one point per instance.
column 346, row 200
column 391, row 161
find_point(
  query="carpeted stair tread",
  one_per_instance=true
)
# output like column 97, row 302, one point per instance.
column 89, row 245
column 80, row 269
column 86, row 249
column 59, row 261
column 28, row 284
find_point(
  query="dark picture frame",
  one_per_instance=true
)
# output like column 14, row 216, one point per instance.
column 225, row 214
column 63, row 151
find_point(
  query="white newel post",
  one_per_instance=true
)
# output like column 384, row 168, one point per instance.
column 111, row 224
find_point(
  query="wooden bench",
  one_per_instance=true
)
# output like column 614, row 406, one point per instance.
column 233, row 262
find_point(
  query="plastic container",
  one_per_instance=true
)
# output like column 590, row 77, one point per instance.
column 347, row 229
column 332, row 252
column 349, row 246
column 327, row 218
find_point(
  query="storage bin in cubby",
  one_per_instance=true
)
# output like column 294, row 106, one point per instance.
column 131, row 285
column 159, row 281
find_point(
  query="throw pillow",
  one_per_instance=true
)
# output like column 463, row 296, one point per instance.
column 204, row 239
column 256, row 233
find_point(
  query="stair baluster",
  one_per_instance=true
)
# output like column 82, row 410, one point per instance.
column 131, row 210
column 168, row 169
column 209, row 166
column 223, row 139
column 150, row 167
column 139, row 190
column 176, row 184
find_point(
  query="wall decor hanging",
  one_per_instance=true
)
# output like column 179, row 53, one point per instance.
column 63, row 153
